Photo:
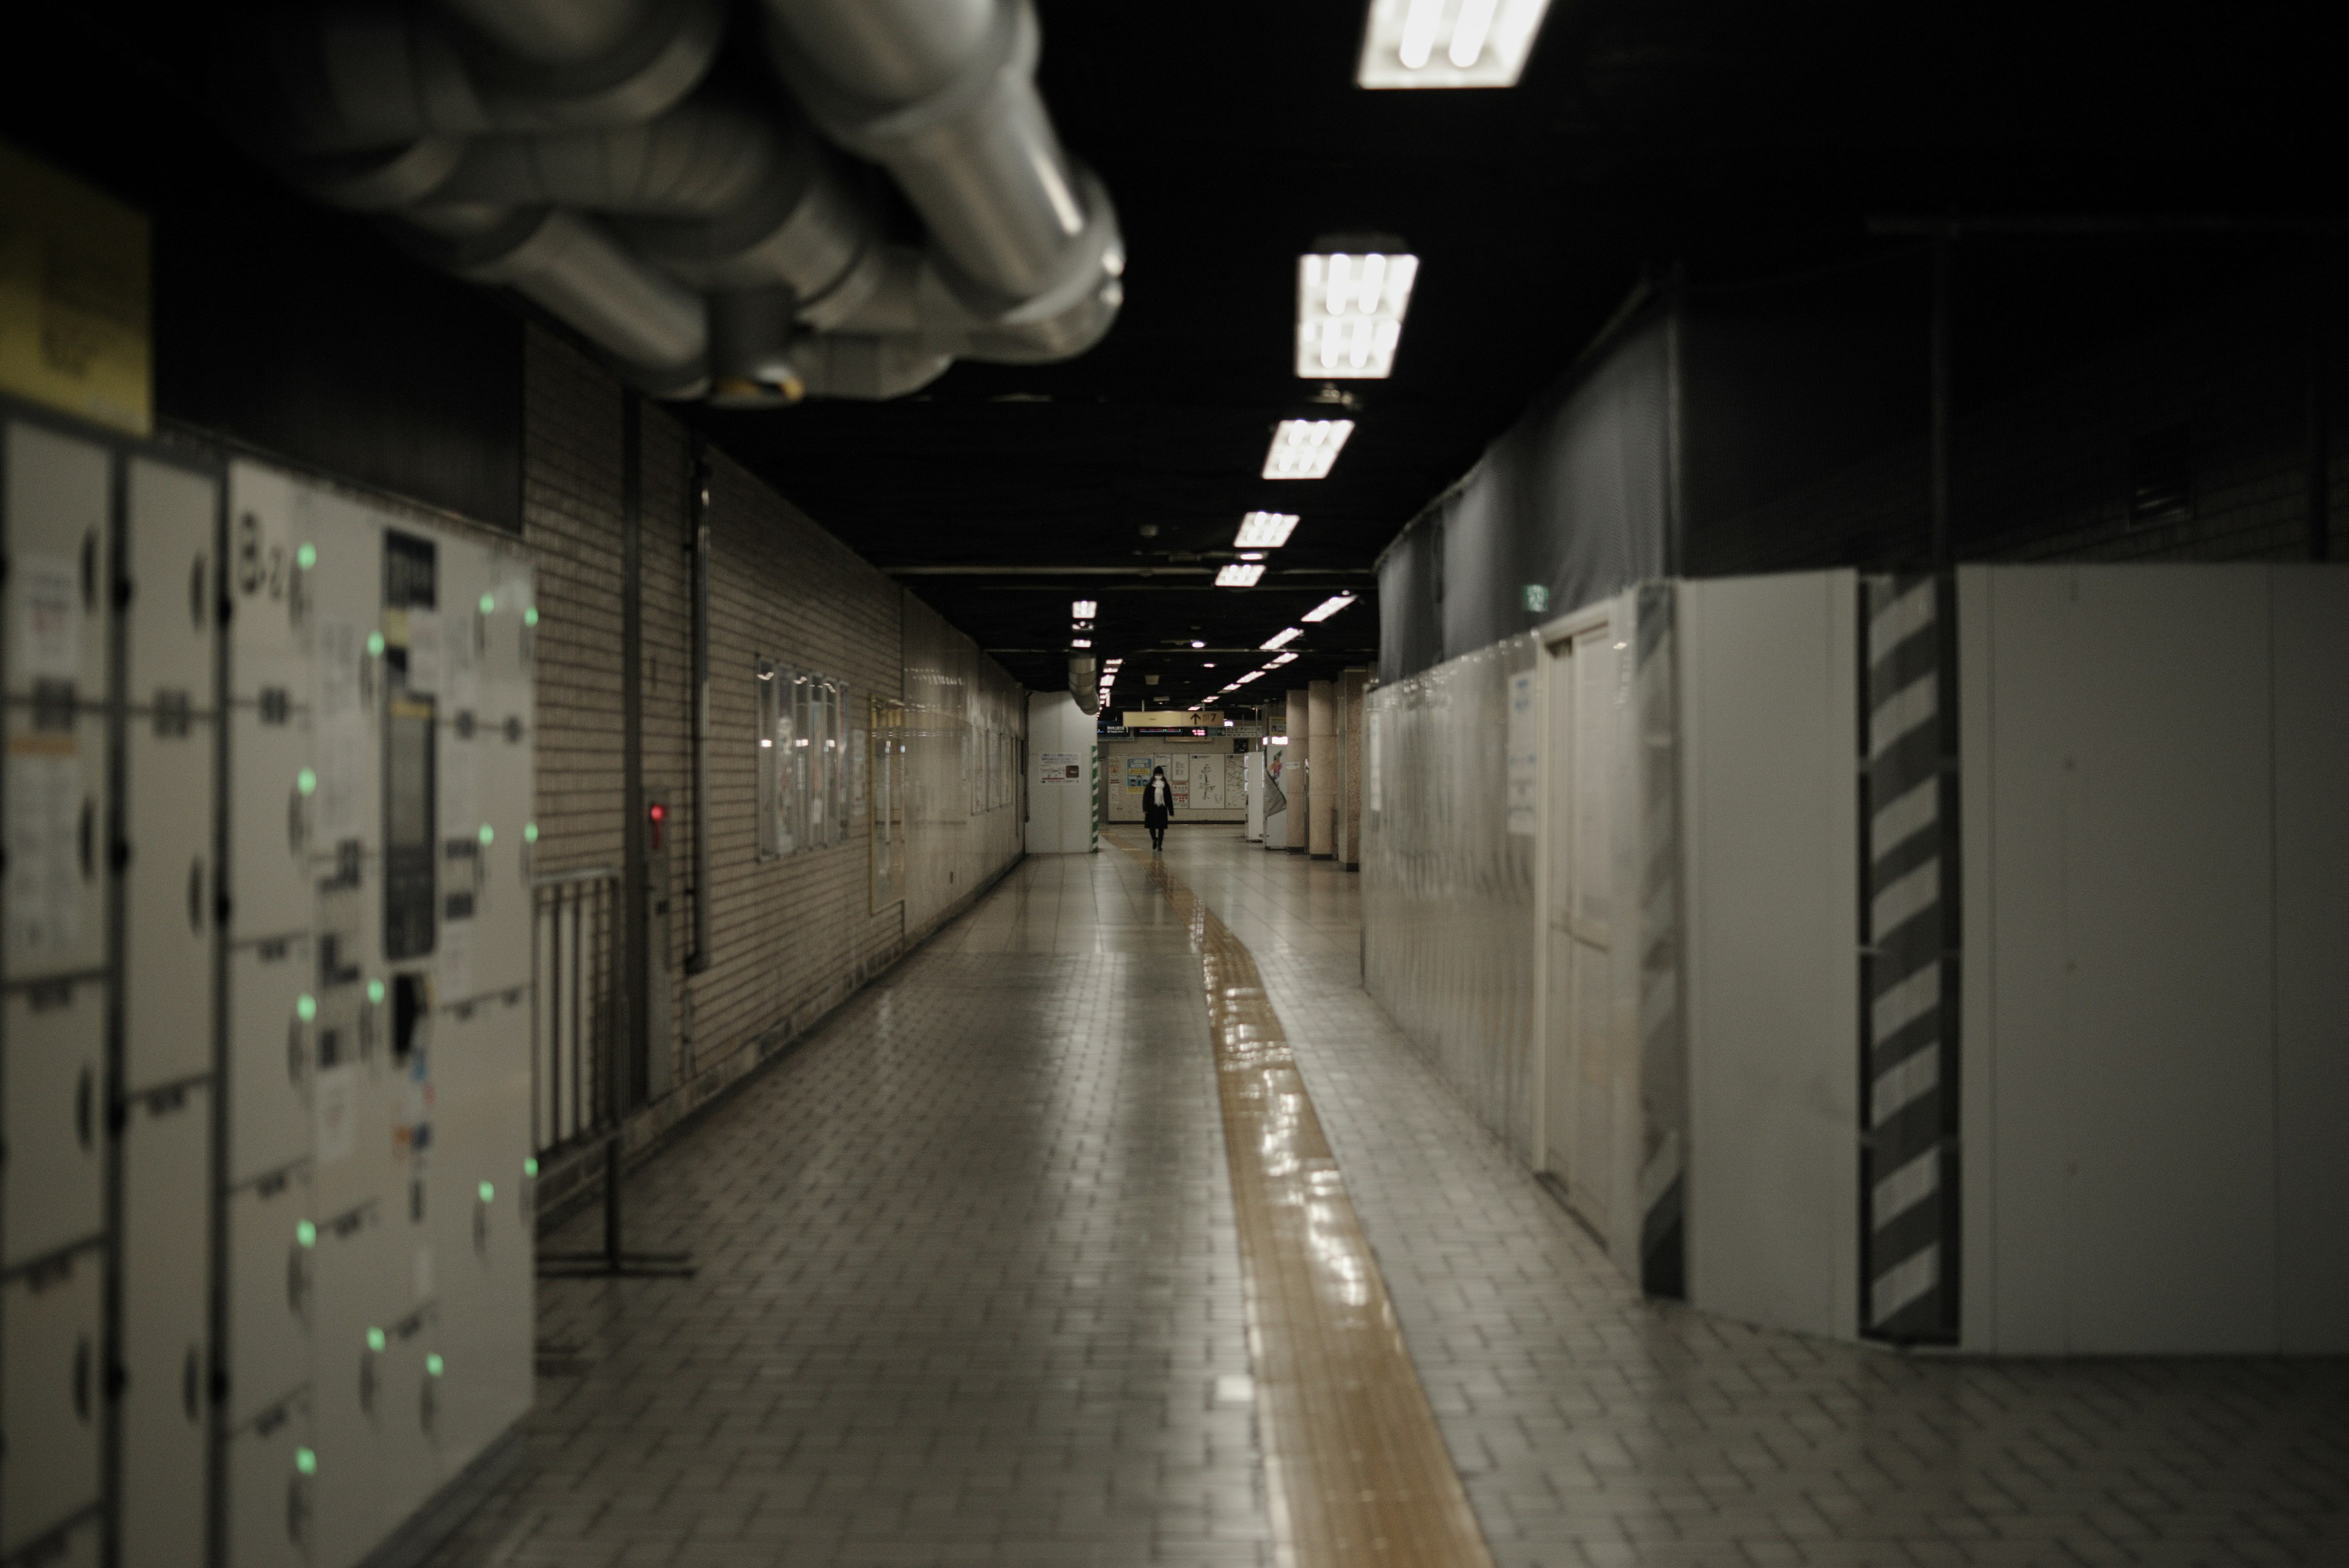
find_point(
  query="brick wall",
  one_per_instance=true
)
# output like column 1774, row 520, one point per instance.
column 791, row 937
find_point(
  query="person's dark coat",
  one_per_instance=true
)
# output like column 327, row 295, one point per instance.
column 1157, row 802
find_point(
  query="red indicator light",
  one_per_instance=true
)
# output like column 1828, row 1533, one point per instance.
column 660, row 813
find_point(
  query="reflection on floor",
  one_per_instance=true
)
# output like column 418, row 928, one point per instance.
column 971, row 1293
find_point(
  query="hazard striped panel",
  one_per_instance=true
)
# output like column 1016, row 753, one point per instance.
column 1909, row 1165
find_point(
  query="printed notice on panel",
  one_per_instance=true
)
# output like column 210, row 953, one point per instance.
column 337, row 1099
column 45, row 836
column 1525, row 755
column 1060, row 767
column 341, row 728
column 47, row 608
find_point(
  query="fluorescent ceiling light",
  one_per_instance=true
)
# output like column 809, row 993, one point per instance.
column 1240, row 575
column 1264, row 531
column 1328, row 607
column 1196, row 643
column 1251, row 675
column 1305, row 449
column 1284, row 659
column 1083, row 609
column 1080, row 642
column 1448, row 43
column 1350, row 313
column 1282, row 638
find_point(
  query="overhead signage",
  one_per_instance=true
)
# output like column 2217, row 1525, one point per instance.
column 1171, row 719
column 73, row 297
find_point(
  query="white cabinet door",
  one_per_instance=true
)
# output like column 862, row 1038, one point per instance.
column 167, row 1001
column 270, row 1057
column 166, row 1321
column 56, row 795
column 170, row 529
column 271, row 1473
column 52, row 1090
column 272, row 783
column 269, row 624
column 272, row 1238
column 55, row 510
column 49, row 1396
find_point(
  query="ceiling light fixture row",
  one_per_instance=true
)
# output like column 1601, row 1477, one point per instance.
column 1350, row 310
column 1448, row 43
column 1305, row 449
column 1265, row 531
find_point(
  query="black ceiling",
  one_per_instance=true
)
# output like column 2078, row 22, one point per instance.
column 1734, row 140
column 1728, row 139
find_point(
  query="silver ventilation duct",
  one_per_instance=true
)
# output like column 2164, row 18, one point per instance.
column 1083, row 685
column 566, row 148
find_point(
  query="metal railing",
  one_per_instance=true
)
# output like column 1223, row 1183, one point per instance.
column 579, row 1057
column 577, row 1017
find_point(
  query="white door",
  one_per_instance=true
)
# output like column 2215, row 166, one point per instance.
column 1584, row 1075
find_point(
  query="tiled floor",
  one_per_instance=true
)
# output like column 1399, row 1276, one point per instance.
column 970, row 1293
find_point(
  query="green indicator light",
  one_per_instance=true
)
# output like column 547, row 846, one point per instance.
column 530, row 615
column 306, row 557
column 306, row 1461
column 375, row 644
column 375, row 991
column 305, row 1007
column 530, row 833
column 432, row 1365
column 530, row 1168
column 375, row 1339
column 489, row 604
column 489, row 1193
column 487, row 833
column 306, row 782
column 306, row 1234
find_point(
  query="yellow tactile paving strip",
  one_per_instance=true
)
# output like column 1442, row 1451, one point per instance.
column 1360, row 1472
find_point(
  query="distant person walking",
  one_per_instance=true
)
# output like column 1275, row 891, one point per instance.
column 1157, row 805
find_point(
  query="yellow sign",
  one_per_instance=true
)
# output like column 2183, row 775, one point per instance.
column 1167, row 719
column 73, row 297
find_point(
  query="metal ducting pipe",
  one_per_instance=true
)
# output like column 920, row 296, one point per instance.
column 942, row 93
column 730, row 252
column 346, row 78
column 698, row 161
column 1083, row 685
column 581, row 273
column 553, row 32
column 844, row 365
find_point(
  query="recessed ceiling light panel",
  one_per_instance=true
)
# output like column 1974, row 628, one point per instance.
column 1265, row 531
column 1448, row 43
column 1282, row 638
column 1305, row 449
column 1240, row 575
column 1326, row 608
column 1350, row 314
column 1083, row 609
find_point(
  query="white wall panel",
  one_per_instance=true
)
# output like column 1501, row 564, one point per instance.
column 2028, row 1064
column 1060, row 809
column 1769, row 671
column 2311, row 841
column 2168, row 907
